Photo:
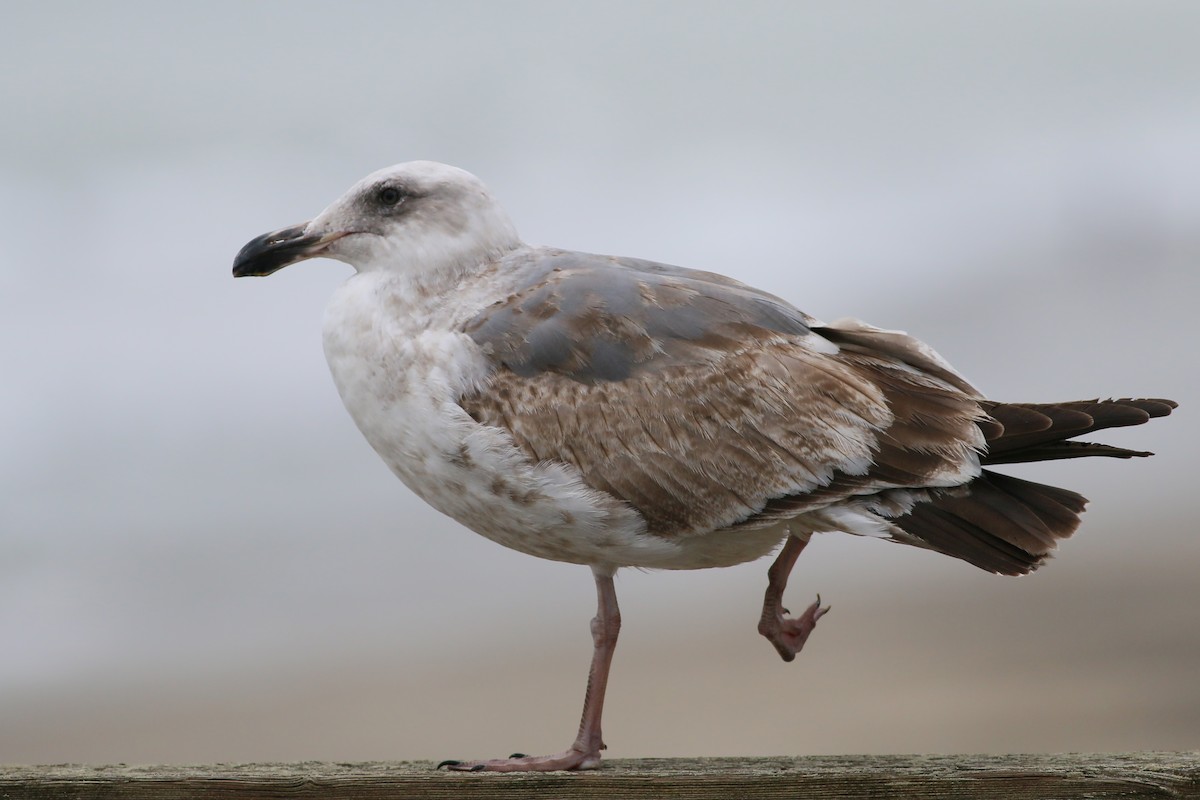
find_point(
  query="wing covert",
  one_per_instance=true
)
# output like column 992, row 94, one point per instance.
column 707, row 404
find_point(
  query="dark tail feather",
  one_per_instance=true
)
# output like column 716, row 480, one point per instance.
column 1007, row 525
column 1020, row 432
column 996, row 522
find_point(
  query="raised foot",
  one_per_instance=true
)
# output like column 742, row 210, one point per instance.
column 789, row 634
column 568, row 759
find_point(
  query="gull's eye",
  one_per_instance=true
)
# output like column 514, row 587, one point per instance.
column 389, row 195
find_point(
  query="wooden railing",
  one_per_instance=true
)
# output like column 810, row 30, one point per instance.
column 1012, row 777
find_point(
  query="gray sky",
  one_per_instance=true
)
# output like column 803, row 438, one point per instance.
column 192, row 529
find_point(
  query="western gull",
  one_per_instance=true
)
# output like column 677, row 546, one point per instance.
column 617, row 412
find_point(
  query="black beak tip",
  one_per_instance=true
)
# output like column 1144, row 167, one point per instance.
column 273, row 251
column 243, row 263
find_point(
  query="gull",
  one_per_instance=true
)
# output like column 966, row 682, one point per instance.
column 616, row 412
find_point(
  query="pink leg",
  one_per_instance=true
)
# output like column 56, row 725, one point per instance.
column 787, row 634
column 585, row 752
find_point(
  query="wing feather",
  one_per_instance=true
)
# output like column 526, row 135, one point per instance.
column 707, row 404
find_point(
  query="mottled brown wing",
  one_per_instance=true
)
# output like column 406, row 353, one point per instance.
column 601, row 318
column 855, row 336
column 701, row 401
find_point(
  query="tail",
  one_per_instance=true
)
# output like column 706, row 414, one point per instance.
column 1021, row 432
column 1007, row 525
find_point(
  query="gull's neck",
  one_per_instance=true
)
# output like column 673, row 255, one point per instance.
column 439, row 260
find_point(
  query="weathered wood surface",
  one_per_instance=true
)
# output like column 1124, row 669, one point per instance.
column 1013, row 777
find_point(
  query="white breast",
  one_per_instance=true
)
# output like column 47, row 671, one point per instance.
column 399, row 368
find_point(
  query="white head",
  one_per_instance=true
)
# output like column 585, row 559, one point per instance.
column 419, row 217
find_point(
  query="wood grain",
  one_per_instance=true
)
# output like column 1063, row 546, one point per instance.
column 1015, row 777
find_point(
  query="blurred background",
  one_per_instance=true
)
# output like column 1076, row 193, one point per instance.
column 201, row 559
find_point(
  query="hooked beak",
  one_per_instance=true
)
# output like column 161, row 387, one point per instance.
column 275, row 250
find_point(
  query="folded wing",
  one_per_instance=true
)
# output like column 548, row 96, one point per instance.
column 707, row 404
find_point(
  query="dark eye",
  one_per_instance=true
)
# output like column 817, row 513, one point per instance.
column 389, row 195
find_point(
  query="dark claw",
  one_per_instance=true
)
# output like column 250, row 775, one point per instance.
column 449, row 762
column 518, row 755
column 477, row 768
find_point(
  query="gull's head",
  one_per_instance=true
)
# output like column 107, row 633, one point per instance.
column 420, row 217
